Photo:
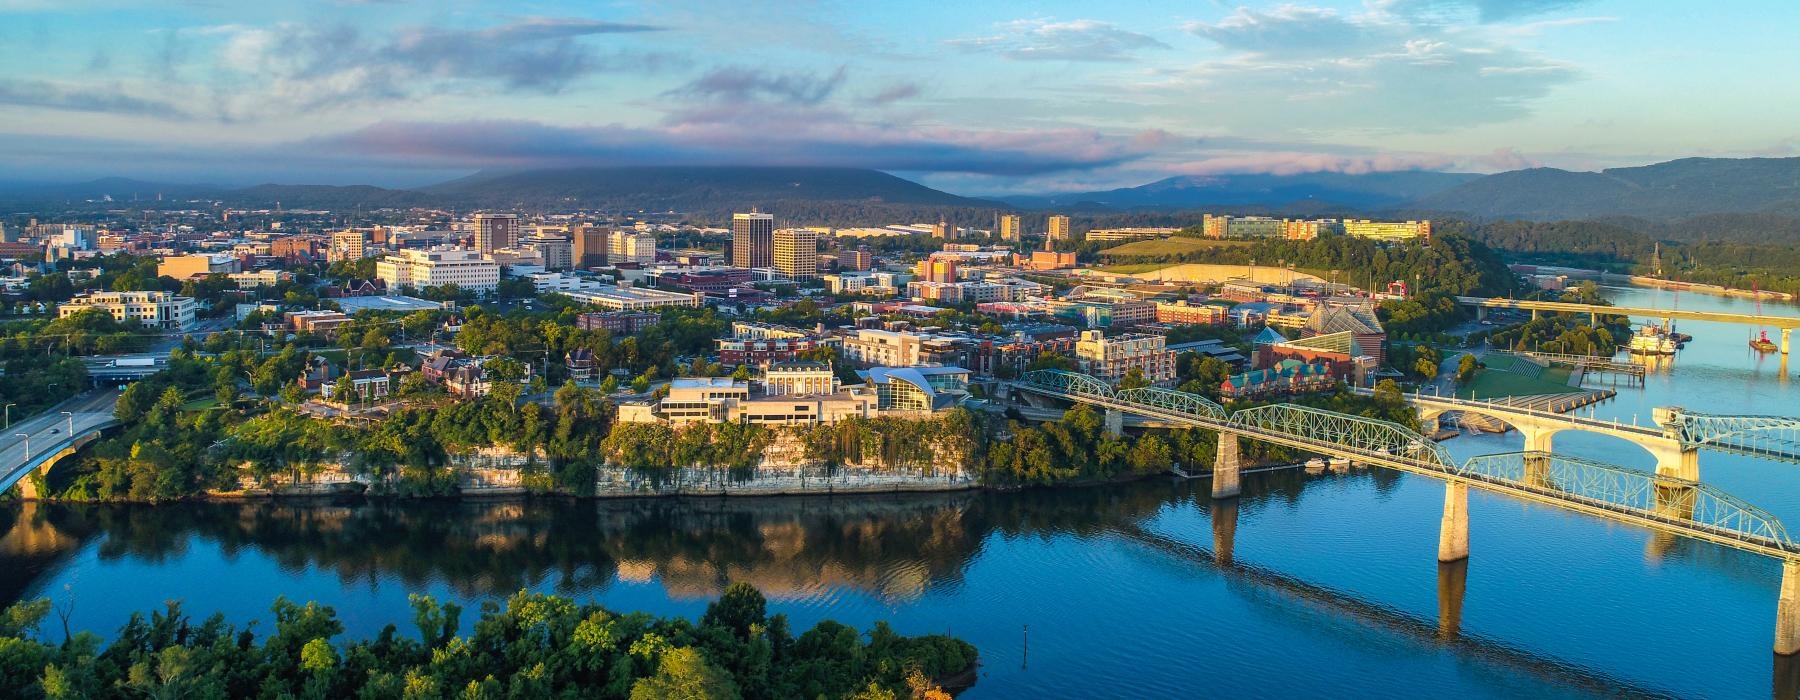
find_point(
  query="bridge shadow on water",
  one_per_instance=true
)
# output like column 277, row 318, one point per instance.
column 1292, row 596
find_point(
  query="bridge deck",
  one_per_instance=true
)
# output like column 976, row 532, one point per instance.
column 1766, row 546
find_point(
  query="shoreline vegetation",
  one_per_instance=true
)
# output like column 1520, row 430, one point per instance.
column 532, row 646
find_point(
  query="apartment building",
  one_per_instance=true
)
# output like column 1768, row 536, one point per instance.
column 1111, row 358
column 796, row 253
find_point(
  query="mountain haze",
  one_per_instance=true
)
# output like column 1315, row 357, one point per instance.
column 1675, row 189
column 1309, row 191
column 691, row 188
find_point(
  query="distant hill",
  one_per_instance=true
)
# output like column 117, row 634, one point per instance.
column 121, row 189
column 1304, row 192
column 691, row 189
column 1690, row 187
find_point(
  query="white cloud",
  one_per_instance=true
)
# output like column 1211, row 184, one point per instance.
column 1074, row 40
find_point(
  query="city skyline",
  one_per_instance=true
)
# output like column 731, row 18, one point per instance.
column 972, row 99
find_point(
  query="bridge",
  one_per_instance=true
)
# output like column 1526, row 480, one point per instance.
column 38, row 443
column 1660, row 501
column 1675, row 440
column 1787, row 324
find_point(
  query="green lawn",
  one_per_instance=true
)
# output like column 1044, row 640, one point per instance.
column 205, row 404
column 1494, row 383
column 1168, row 246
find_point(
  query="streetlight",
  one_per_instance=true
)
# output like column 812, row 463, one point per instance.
column 71, row 424
column 27, row 445
column 9, row 414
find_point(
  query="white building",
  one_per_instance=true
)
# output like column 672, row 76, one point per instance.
column 435, row 267
column 156, row 309
column 636, row 298
column 799, row 378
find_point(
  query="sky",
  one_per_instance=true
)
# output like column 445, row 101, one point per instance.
column 993, row 97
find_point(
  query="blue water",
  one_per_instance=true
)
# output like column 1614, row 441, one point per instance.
column 1331, row 589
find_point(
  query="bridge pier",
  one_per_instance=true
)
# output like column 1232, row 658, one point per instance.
column 1537, row 469
column 1225, row 467
column 1481, row 313
column 1785, row 334
column 1534, row 314
column 1114, row 419
column 1453, row 532
column 1676, row 460
column 1224, row 529
column 1787, row 610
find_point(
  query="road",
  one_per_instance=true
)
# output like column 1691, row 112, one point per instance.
column 49, row 431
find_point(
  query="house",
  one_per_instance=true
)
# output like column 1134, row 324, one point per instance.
column 467, row 379
column 438, row 363
column 359, row 288
column 364, row 385
column 581, row 364
column 316, row 375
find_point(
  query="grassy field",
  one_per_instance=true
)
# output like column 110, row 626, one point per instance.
column 1494, row 383
column 1167, row 246
column 201, row 404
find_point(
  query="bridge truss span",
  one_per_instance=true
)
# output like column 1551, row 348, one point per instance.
column 1071, row 382
column 1171, row 400
column 1690, row 504
column 1775, row 437
column 1357, row 433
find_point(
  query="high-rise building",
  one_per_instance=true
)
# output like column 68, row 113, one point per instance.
column 556, row 250
column 859, row 259
column 590, row 244
column 349, row 244
column 942, row 229
column 1059, row 228
column 752, row 239
column 935, row 270
column 495, row 231
column 796, row 253
column 1009, row 227
column 630, row 246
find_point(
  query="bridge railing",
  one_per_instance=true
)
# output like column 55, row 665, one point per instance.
column 1609, row 487
column 1644, row 493
column 1774, row 436
column 1367, row 435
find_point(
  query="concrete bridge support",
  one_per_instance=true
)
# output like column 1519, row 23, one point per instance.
column 1224, row 529
column 1225, row 467
column 1453, row 532
column 1786, row 333
column 1676, row 460
column 1537, row 470
column 1787, row 610
column 1114, row 419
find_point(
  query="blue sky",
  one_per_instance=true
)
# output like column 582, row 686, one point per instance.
column 973, row 97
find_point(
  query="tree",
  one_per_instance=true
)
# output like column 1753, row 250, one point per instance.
column 1465, row 368
column 683, row 673
column 1133, row 379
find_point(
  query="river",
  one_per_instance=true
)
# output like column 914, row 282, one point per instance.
column 1306, row 586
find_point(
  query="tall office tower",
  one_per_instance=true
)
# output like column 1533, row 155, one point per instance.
column 629, row 246
column 556, row 251
column 348, row 244
column 752, row 239
column 1009, row 227
column 590, row 244
column 1059, row 228
column 6, row 236
column 796, row 253
column 943, row 229
column 495, row 231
